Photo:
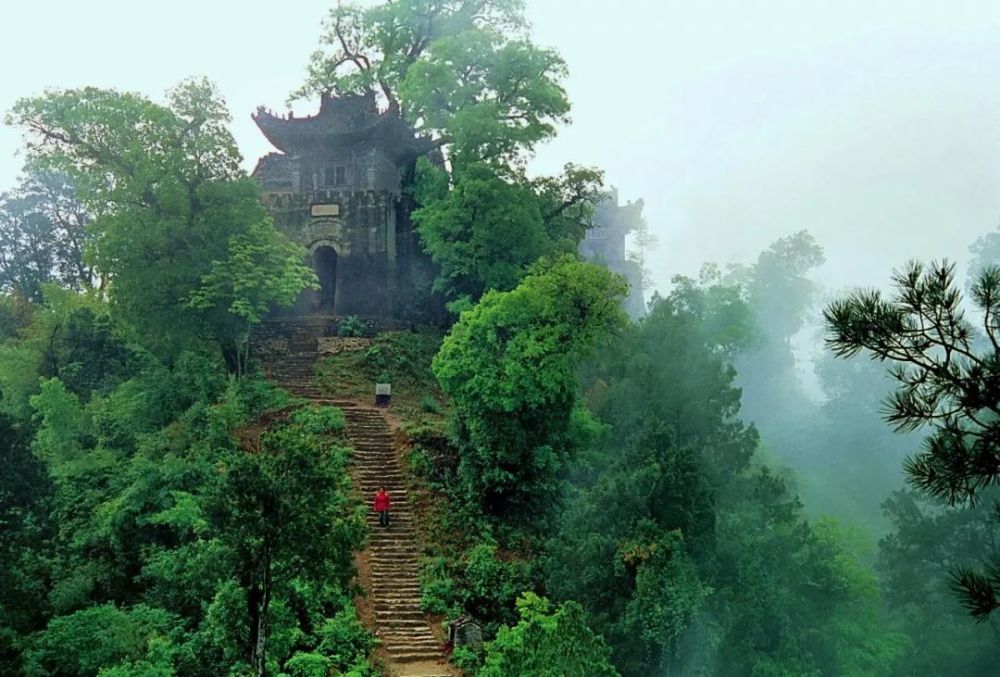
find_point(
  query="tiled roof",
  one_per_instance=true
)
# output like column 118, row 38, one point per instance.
column 274, row 169
column 338, row 116
column 342, row 119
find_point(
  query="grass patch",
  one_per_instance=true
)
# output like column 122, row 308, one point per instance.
column 401, row 358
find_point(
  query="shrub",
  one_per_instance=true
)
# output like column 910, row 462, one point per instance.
column 431, row 405
column 100, row 636
column 491, row 584
column 437, row 589
column 548, row 642
column 320, row 420
column 352, row 325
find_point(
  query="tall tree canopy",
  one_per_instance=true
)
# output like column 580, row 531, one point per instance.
column 166, row 194
column 509, row 366
column 461, row 71
column 43, row 236
column 488, row 230
column 468, row 78
column 692, row 558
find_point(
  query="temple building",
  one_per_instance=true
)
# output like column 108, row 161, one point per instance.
column 605, row 243
column 334, row 187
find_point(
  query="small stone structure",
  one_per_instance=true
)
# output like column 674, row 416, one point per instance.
column 334, row 345
column 463, row 631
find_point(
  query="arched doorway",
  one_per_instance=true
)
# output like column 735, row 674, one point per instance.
column 324, row 260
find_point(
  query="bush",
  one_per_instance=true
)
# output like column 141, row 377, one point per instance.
column 345, row 640
column 320, row 420
column 467, row 659
column 437, row 589
column 404, row 356
column 100, row 636
column 431, row 405
column 490, row 585
column 352, row 325
column 548, row 642
column 304, row 664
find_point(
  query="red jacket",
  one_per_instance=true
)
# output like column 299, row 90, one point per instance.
column 382, row 501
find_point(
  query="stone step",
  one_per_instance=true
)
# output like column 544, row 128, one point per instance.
column 392, row 614
column 417, row 632
column 389, row 613
column 427, row 643
column 388, row 580
column 416, row 656
column 394, row 582
column 393, row 550
column 405, row 575
column 397, row 590
column 380, row 553
column 385, row 552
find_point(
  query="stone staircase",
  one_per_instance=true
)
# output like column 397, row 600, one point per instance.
column 392, row 577
column 395, row 584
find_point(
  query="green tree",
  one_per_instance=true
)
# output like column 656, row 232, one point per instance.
column 488, row 230
column 460, row 70
column 943, row 382
column 781, row 295
column 102, row 636
column 167, row 198
column 283, row 515
column 636, row 543
column 262, row 270
column 43, row 236
column 547, row 642
column 926, row 540
column 985, row 252
column 509, row 366
column 869, row 455
column 25, row 532
column 484, row 234
column 690, row 557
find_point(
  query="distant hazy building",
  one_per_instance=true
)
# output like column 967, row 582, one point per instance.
column 335, row 188
column 605, row 244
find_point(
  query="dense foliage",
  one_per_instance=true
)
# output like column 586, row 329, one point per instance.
column 138, row 517
column 145, row 530
column 173, row 219
column 944, row 381
column 509, row 366
column 603, row 497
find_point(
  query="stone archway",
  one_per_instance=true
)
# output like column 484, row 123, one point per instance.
column 327, row 256
column 324, row 262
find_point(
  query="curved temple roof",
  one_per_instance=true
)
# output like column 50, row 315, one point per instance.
column 341, row 119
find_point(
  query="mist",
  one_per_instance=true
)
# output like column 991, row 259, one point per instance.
column 788, row 153
column 872, row 125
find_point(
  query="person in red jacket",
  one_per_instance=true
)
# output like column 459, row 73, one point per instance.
column 382, row 505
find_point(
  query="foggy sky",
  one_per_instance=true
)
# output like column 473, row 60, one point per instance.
column 872, row 124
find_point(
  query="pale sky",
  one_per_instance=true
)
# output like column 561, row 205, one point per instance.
column 873, row 124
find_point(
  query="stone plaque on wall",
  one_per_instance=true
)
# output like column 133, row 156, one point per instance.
column 325, row 210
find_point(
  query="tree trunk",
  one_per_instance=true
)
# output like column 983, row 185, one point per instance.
column 231, row 355
column 259, row 661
